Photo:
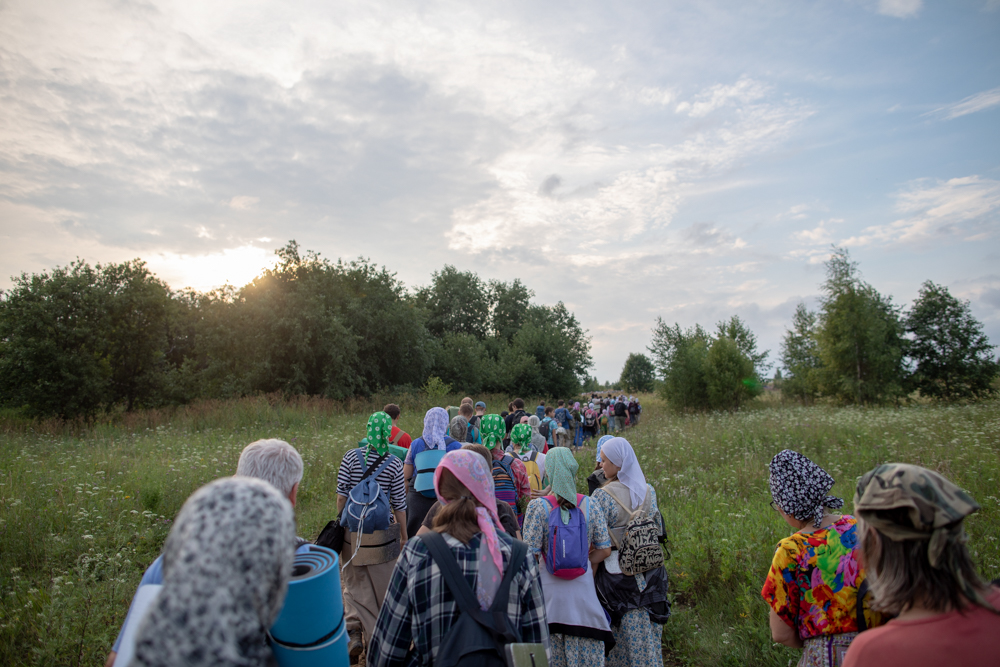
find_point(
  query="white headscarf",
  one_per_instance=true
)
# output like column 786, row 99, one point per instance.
column 226, row 565
column 620, row 452
column 435, row 428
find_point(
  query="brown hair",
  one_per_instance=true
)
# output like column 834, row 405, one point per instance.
column 466, row 410
column 900, row 573
column 466, row 400
column 392, row 410
column 458, row 517
column 482, row 451
column 550, row 410
column 519, row 403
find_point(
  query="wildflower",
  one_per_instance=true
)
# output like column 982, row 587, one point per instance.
column 88, row 537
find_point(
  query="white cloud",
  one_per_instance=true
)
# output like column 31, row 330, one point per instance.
column 978, row 102
column 744, row 91
column 819, row 235
column 901, row 9
column 243, row 202
column 957, row 209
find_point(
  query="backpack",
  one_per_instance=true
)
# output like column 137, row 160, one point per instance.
column 424, row 465
column 534, row 473
column 544, row 430
column 568, row 546
column 620, row 409
column 472, row 435
column 367, row 508
column 478, row 638
column 638, row 541
column 504, row 487
column 590, row 419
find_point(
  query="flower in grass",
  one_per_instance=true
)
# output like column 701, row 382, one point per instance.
column 88, row 537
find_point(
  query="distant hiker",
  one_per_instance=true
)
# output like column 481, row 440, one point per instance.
column 621, row 414
column 510, row 480
column 514, row 418
column 275, row 462
column 564, row 420
column 548, row 426
column 227, row 562
column 365, row 584
column 480, row 411
column 538, row 442
column 421, row 608
column 421, row 460
column 399, row 437
column 807, row 609
column 534, row 463
column 922, row 572
column 472, row 432
column 577, row 425
column 561, row 529
column 635, row 598
column 540, row 410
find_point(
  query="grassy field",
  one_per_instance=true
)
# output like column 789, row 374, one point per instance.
column 84, row 510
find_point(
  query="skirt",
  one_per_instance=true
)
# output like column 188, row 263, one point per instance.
column 826, row 650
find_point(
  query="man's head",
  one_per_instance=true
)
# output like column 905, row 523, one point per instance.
column 541, row 403
column 561, row 403
column 519, row 404
column 392, row 410
column 466, row 410
column 480, row 408
column 466, row 400
column 549, row 411
column 274, row 461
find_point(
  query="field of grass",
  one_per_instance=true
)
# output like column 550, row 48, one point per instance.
column 84, row 510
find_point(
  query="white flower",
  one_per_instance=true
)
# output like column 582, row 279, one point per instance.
column 88, row 537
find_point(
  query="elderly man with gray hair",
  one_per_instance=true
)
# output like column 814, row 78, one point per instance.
column 274, row 461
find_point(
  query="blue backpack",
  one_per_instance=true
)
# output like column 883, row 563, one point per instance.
column 568, row 545
column 424, row 464
column 367, row 508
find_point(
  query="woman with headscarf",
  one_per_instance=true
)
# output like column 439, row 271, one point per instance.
column 597, row 479
column 534, row 463
column 913, row 538
column 436, row 438
column 579, row 630
column 812, row 586
column 420, row 608
column 637, row 603
column 510, row 479
column 226, row 565
column 365, row 585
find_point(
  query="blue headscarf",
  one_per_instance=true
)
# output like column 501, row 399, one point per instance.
column 600, row 442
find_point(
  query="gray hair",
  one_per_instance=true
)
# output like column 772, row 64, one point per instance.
column 273, row 461
column 459, row 428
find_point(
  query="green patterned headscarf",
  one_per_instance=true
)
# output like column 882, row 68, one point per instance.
column 520, row 435
column 379, row 430
column 560, row 468
column 492, row 429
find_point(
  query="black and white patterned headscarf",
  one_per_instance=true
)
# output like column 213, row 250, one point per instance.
column 226, row 565
column 799, row 487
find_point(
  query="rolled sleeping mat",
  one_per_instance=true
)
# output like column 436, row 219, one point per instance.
column 310, row 629
column 395, row 450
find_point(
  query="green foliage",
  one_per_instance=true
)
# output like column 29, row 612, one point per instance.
column 800, row 356
column 435, row 390
column 860, row 337
column 81, row 338
column 746, row 341
column 638, row 374
column 952, row 355
column 681, row 358
column 729, row 375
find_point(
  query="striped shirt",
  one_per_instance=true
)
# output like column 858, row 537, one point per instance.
column 390, row 479
column 420, row 609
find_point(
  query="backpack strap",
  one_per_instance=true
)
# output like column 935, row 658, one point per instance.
column 860, row 606
column 376, row 465
column 462, row 592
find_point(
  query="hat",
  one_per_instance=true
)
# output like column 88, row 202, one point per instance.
column 480, row 404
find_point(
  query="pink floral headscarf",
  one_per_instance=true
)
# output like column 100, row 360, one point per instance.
column 470, row 469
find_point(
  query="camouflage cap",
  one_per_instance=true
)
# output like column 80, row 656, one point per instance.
column 935, row 506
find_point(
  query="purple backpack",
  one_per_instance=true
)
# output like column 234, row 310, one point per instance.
column 569, row 546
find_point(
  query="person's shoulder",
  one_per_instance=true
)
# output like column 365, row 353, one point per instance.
column 538, row 505
column 791, row 546
column 873, row 646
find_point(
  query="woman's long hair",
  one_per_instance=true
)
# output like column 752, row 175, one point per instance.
column 458, row 517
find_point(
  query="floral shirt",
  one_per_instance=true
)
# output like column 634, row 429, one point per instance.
column 814, row 578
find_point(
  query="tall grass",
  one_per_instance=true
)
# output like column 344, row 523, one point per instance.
column 85, row 507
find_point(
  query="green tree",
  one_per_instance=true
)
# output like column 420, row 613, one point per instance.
column 730, row 375
column 736, row 329
column 860, row 337
column 952, row 355
column 638, row 373
column 800, row 356
column 456, row 302
column 680, row 358
column 510, row 306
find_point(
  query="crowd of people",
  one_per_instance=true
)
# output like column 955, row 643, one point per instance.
column 482, row 540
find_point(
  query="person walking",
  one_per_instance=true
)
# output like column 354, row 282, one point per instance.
column 815, row 577
column 913, row 535
column 420, row 607
column 435, row 438
column 399, row 437
column 534, row 463
column 365, row 584
column 577, row 425
column 510, row 480
column 637, row 602
column 538, row 442
column 579, row 631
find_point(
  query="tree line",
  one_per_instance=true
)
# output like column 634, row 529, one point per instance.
column 858, row 347
column 80, row 339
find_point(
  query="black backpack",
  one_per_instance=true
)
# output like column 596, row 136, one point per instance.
column 543, row 429
column 620, row 409
column 478, row 637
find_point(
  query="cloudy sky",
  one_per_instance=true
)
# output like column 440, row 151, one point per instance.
column 685, row 160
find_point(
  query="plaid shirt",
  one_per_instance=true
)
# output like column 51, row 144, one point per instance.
column 419, row 607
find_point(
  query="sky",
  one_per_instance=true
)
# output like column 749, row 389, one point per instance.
column 689, row 161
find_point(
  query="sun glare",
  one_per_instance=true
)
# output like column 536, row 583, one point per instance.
column 237, row 266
